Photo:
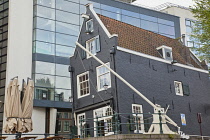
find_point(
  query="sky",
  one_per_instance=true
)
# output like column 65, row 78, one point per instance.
column 153, row 3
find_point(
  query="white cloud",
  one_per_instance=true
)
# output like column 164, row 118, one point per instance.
column 153, row 3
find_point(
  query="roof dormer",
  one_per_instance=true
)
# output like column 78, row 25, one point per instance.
column 165, row 52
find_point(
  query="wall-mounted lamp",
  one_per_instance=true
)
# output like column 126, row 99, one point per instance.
column 105, row 86
column 71, row 99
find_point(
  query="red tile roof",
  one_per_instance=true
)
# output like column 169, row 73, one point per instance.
column 146, row 42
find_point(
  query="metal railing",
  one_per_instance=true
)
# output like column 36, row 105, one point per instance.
column 119, row 123
column 18, row 136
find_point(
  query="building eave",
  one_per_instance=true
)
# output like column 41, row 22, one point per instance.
column 159, row 59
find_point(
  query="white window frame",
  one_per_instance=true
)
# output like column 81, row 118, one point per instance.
column 78, row 123
column 138, row 116
column 98, row 81
column 104, row 118
column 78, row 85
column 163, row 47
column 180, row 86
column 86, row 25
column 88, row 47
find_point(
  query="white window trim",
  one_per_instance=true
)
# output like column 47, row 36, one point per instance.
column 78, row 123
column 181, row 88
column 102, row 118
column 78, row 85
column 163, row 47
column 98, row 82
column 88, row 47
column 139, row 116
column 91, row 20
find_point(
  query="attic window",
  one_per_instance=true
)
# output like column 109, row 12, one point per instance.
column 89, row 26
column 166, row 52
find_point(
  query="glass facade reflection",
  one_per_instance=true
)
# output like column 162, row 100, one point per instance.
column 56, row 27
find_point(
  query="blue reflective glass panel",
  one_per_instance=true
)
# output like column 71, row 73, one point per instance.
column 45, row 68
column 64, row 51
column 63, row 82
column 67, row 17
column 62, row 70
column 151, row 26
column 45, row 12
column 44, row 80
column 65, row 39
column 67, row 28
column 45, row 36
column 111, row 15
column 130, row 20
column 45, row 24
column 110, row 8
column 47, row 3
column 149, row 18
column 131, row 14
column 44, row 48
column 166, row 22
column 166, row 29
column 67, row 6
column 62, row 95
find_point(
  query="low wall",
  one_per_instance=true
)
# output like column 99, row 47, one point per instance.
column 144, row 137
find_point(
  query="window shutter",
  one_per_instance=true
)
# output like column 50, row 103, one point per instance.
column 98, row 45
column 83, row 53
column 186, row 90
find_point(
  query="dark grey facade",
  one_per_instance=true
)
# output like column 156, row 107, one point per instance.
column 153, row 78
column 56, row 27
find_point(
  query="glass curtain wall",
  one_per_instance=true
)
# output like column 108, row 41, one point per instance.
column 4, row 5
column 56, row 27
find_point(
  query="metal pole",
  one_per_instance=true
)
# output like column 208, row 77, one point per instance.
column 81, row 136
column 200, row 130
column 124, row 81
column 161, row 126
column 96, row 126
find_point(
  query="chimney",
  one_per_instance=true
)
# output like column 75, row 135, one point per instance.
column 183, row 39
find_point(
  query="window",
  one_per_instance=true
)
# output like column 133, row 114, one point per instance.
column 104, row 120
column 81, row 124
column 83, row 85
column 66, row 126
column 178, row 88
column 103, row 77
column 138, row 118
column 89, row 26
column 93, row 45
column 165, row 52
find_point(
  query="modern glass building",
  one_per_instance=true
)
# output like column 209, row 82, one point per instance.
column 41, row 40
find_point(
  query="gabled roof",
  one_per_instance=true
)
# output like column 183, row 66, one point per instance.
column 144, row 41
